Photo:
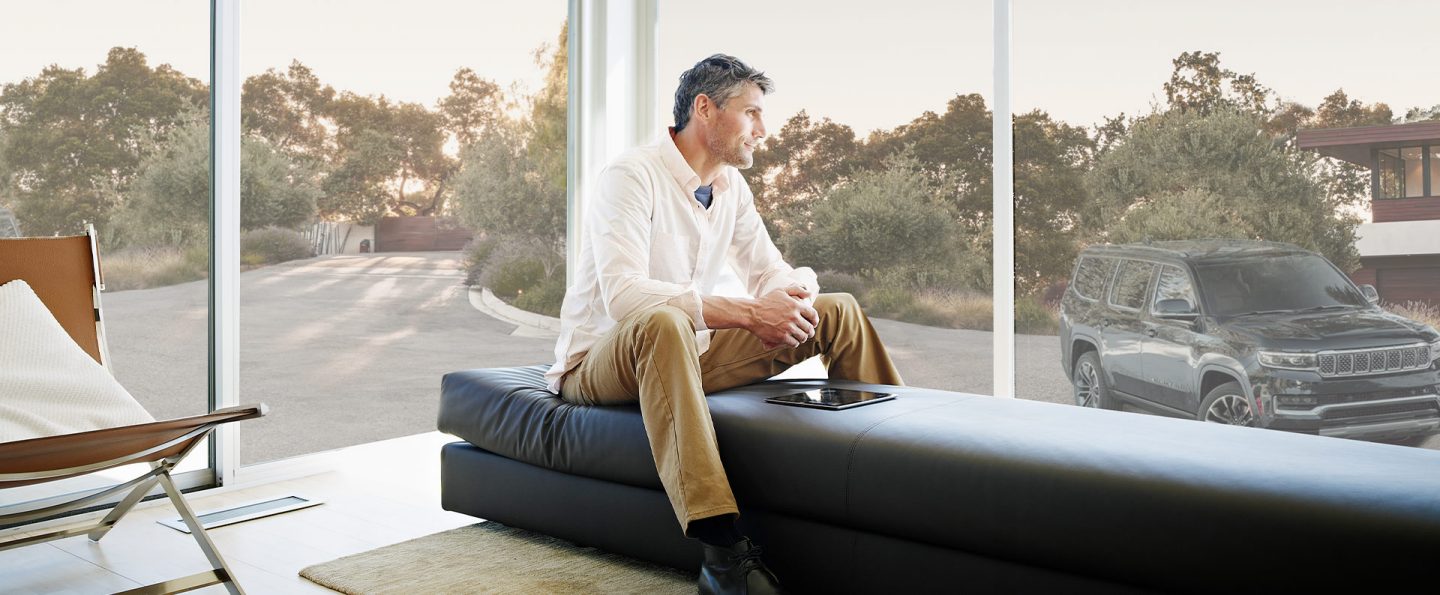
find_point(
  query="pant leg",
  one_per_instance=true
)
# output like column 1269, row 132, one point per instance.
column 651, row 357
column 844, row 339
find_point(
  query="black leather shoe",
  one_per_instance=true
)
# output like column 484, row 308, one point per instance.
column 736, row 570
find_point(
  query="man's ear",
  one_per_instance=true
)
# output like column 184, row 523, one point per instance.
column 703, row 108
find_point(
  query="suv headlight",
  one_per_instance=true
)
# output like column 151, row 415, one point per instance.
column 1290, row 361
column 1435, row 351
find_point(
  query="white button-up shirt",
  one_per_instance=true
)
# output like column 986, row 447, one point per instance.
column 646, row 241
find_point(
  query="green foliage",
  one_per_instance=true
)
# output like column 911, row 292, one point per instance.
column 511, row 184
column 802, row 162
column 1191, row 174
column 272, row 245
column 883, row 220
column 474, row 257
column 544, row 297
column 506, row 275
column 837, row 282
column 76, row 140
column 170, row 202
column 1033, row 317
column 289, row 111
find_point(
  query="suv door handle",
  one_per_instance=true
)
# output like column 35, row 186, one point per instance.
column 1104, row 322
column 1150, row 332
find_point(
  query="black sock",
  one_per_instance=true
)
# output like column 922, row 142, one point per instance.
column 718, row 531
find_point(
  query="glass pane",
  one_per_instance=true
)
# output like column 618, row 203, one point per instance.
column 1413, row 167
column 1174, row 284
column 1392, row 174
column 1092, row 275
column 104, row 120
column 1434, row 171
column 403, row 209
column 1130, row 284
column 876, row 167
column 1172, row 134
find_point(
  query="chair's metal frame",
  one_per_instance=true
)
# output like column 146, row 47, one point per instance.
column 160, row 444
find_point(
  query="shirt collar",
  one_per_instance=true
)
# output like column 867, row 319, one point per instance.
column 680, row 169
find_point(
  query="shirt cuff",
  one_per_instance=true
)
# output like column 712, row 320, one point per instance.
column 691, row 304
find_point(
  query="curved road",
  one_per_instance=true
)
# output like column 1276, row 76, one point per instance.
column 350, row 349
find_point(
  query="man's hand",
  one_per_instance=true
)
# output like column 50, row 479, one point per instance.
column 800, row 292
column 782, row 318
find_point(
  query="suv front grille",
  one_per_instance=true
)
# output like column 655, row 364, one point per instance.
column 1363, row 362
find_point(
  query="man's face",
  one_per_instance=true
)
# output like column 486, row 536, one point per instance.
column 737, row 128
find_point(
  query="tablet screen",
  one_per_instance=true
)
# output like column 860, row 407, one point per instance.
column 831, row 398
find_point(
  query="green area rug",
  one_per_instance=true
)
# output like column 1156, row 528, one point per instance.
column 493, row 558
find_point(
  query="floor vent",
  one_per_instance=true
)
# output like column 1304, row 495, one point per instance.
column 244, row 512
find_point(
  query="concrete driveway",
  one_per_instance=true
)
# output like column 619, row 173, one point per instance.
column 350, row 349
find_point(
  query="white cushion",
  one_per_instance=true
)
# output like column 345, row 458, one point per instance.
column 48, row 384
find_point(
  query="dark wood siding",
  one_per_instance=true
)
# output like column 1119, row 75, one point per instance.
column 1401, row 279
column 419, row 234
column 1405, row 209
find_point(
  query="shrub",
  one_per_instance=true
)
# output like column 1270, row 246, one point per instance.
column 509, row 274
column 1417, row 311
column 474, row 256
column 273, row 245
column 544, row 297
column 962, row 309
column 837, row 282
column 1033, row 317
column 143, row 268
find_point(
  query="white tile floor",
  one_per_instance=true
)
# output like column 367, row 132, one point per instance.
column 375, row 495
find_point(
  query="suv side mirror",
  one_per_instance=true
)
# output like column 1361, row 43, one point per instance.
column 1176, row 309
column 1370, row 294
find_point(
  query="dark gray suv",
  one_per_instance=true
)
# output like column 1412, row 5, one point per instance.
column 1250, row 333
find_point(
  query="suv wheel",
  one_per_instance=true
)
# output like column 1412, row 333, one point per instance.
column 1089, row 381
column 1226, row 404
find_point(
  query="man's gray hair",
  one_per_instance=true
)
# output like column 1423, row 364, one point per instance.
column 719, row 77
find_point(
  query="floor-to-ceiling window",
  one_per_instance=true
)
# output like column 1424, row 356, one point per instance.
column 403, row 209
column 104, row 121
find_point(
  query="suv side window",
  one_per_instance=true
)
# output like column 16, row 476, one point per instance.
column 1173, row 284
column 1130, row 284
column 1091, row 275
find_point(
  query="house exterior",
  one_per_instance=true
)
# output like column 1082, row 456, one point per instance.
column 1400, row 247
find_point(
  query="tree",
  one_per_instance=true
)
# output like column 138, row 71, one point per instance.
column 1199, row 83
column 1051, row 158
column 802, row 162
column 473, row 106
column 289, row 111
column 953, row 150
column 1211, row 173
column 75, row 140
column 887, row 220
column 390, row 159
column 511, row 183
column 171, row 196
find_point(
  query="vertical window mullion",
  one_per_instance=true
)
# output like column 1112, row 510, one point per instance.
column 224, row 358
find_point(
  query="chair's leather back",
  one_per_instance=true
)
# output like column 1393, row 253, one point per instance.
column 61, row 270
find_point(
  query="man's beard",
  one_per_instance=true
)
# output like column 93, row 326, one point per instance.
column 733, row 155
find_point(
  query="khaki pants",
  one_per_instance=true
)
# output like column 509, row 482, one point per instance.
column 651, row 357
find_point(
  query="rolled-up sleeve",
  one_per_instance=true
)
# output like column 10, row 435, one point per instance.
column 619, row 227
column 756, row 259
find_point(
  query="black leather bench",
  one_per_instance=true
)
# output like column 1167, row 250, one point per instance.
column 941, row 492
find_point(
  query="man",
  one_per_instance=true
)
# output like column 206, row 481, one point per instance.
column 639, row 323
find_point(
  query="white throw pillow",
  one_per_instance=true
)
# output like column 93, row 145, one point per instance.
column 48, row 384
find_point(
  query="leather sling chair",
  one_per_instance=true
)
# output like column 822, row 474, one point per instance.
column 65, row 273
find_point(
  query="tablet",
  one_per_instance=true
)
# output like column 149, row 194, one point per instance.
column 831, row 398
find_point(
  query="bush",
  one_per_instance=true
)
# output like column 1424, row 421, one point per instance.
column 1417, row 311
column 1033, row 317
column 962, row 309
column 273, row 245
column 837, row 282
column 509, row 274
column 474, row 257
column 544, row 297
column 143, row 268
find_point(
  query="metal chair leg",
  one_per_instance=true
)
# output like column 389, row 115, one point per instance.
column 198, row 532
column 123, row 508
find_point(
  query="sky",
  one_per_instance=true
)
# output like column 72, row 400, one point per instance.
column 865, row 64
